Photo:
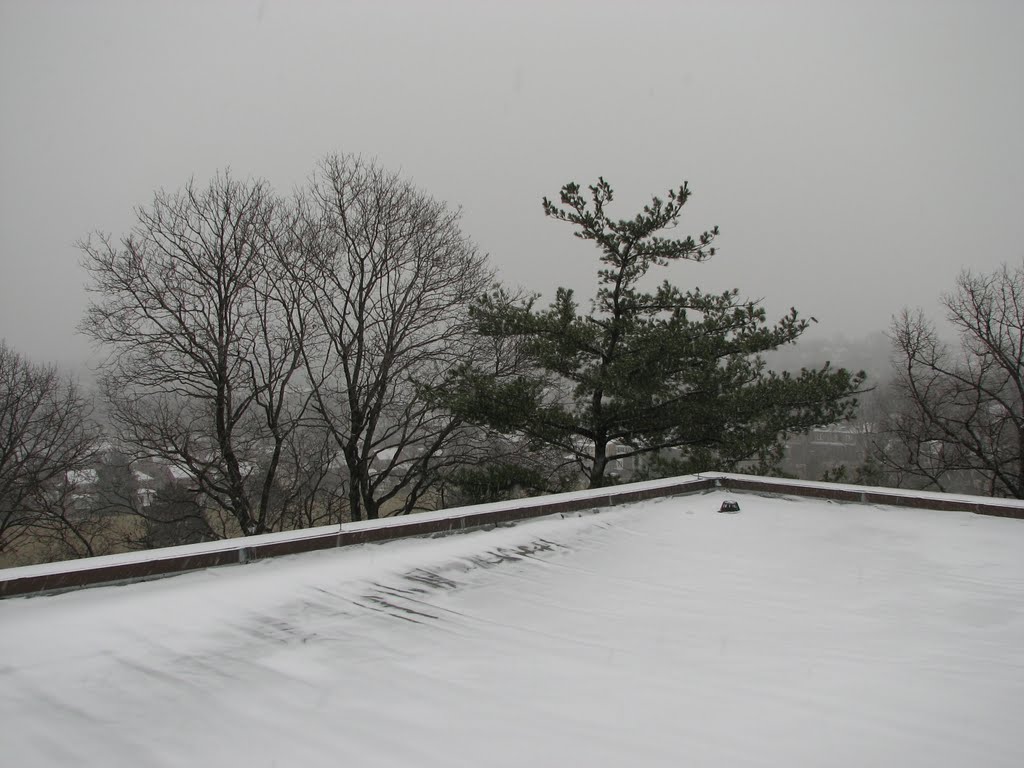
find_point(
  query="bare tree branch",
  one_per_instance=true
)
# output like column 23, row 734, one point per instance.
column 960, row 425
column 205, row 340
column 45, row 438
column 390, row 280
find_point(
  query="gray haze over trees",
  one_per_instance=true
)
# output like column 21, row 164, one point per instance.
column 388, row 285
column 845, row 147
column 257, row 344
column 279, row 356
column 205, row 337
column 45, row 442
column 278, row 362
column 945, row 414
column 956, row 417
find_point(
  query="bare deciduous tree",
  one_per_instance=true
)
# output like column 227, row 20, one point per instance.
column 390, row 287
column 45, row 439
column 205, row 337
column 959, row 422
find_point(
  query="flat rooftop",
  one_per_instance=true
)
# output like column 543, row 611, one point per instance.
column 798, row 632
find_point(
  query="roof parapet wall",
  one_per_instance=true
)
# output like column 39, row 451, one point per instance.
column 139, row 566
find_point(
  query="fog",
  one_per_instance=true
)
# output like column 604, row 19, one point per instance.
column 856, row 156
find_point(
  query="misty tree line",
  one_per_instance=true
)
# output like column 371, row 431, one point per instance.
column 346, row 352
column 954, row 416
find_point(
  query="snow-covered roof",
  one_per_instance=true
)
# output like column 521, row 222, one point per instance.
column 387, row 454
column 798, row 632
column 80, row 477
column 179, row 472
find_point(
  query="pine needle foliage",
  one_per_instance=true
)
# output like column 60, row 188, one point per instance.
column 665, row 371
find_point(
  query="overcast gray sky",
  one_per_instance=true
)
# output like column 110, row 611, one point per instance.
column 856, row 155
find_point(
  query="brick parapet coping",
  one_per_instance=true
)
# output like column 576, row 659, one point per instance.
column 130, row 567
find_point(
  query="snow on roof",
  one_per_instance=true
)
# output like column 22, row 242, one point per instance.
column 387, row 454
column 179, row 472
column 797, row 632
column 79, row 477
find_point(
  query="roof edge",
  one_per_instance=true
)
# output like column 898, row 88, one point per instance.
column 129, row 567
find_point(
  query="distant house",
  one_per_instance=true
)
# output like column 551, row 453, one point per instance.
column 82, row 479
column 825, row 448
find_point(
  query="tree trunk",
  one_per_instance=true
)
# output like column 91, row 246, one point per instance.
column 372, row 509
column 355, row 482
column 600, row 463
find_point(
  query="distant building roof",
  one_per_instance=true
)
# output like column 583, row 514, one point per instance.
column 78, row 478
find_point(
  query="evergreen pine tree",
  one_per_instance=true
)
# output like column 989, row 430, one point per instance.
column 648, row 371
